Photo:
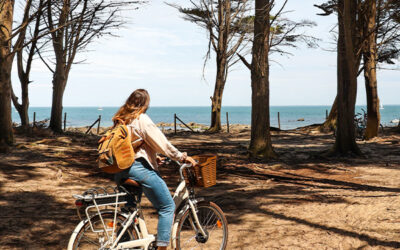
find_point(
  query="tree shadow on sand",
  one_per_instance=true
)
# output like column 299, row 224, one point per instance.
column 38, row 219
column 34, row 220
column 242, row 184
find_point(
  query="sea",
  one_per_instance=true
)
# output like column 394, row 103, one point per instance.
column 290, row 116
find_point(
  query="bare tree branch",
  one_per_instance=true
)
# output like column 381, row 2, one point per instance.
column 248, row 65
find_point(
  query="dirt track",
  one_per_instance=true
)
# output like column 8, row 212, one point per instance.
column 301, row 201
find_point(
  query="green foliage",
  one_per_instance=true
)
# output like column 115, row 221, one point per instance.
column 228, row 25
column 244, row 25
column 328, row 8
column 388, row 26
column 389, row 31
column 195, row 12
column 288, row 33
column 206, row 17
column 283, row 32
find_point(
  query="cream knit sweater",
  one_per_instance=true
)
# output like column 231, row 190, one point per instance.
column 152, row 141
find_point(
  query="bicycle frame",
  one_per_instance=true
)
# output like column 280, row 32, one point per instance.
column 183, row 199
column 181, row 195
column 144, row 242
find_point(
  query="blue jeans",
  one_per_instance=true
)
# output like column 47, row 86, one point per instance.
column 156, row 191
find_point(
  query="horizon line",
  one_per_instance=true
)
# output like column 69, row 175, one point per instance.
column 206, row 106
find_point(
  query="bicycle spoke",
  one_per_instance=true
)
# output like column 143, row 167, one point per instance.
column 86, row 239
column 197, row 244
column 210, row 232
column 190, row 239
column 210, row 218
column 208, row 214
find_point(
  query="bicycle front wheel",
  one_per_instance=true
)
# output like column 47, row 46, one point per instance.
column 212, row 220
column 84, row 238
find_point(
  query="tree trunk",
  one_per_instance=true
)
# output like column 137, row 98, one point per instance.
column 60, row 74
column 217, row 98
column 370, row 60
column 23, row 76
column 330, row 123
column 6, row 131
column 224, row 14
column 59, row 83
column 260, row 143
column 347, row 79
column 22, row 107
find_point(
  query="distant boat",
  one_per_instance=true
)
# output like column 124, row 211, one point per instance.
column 100, row 108
column 381, row 106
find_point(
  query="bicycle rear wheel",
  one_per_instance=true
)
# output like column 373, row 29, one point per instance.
column 213, row 221
column 83, row 237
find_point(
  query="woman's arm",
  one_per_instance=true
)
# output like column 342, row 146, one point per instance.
column 157, row 140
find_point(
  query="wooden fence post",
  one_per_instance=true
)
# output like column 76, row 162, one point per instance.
column 279, row 121
column 65, row 120
column 177, row 118
column 34, row 119
column 175, row 123
column 227, row 122
column 326, row 115
column 94, row 123
column 98, row 125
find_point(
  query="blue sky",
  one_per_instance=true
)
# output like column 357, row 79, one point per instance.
column 161, row 52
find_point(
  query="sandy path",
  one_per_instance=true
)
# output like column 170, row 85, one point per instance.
column 302, row 201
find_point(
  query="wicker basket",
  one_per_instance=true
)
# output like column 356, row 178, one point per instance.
column 205, row 171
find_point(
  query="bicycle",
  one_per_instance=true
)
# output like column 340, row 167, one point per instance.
column 198, row 224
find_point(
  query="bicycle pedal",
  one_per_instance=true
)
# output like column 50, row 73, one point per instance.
column 153, row 246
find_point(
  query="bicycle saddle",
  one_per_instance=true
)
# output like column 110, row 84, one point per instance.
column 131, row 182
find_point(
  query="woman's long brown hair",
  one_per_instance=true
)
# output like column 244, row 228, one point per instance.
column 136, row 104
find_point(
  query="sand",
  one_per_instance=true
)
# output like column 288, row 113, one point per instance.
column 301, row 201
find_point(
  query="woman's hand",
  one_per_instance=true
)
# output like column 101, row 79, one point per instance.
column 160, row 160
column 191, row 161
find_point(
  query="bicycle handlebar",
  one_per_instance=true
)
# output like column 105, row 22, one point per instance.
column 181, row 166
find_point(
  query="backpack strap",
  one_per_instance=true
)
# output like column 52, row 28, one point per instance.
column 118, row 120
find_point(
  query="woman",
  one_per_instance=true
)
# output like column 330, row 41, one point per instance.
column 145, row 169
